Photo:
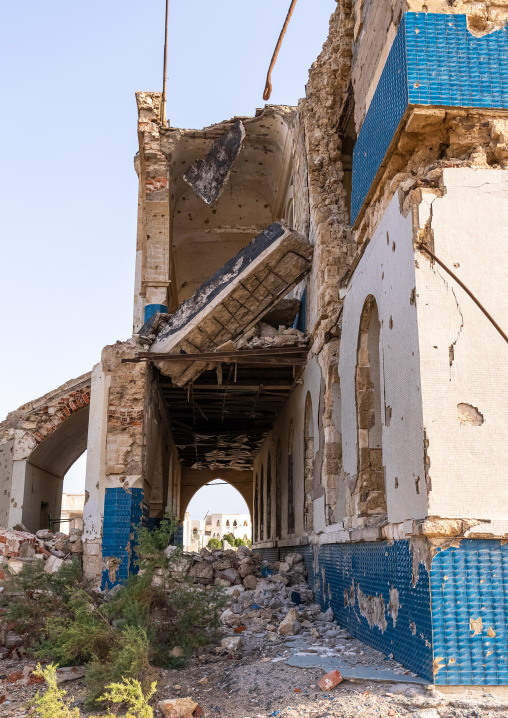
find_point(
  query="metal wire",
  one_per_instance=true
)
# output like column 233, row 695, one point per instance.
column 268, row 87
column 491, row 319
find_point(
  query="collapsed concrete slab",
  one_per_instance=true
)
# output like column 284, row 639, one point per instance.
column 232, row 301
column 208, row 177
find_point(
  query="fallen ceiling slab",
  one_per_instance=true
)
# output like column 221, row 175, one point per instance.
column 230, row 302
column 208, row 177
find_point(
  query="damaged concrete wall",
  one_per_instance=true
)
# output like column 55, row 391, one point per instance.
column 39, row 442
column 463, row 358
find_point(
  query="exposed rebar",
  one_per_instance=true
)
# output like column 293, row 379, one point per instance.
column 268, row 86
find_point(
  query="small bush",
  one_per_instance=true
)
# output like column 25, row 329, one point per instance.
column 129, row 693
column 230, row 539
column 214, row 544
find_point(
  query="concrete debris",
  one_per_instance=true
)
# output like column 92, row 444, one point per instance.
column 264, row 336
column 18, row 547
column 208, row 177
column 177, row 708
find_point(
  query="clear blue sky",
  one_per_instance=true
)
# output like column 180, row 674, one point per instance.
column 68, row 188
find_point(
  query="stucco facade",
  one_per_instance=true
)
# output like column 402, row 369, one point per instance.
column 364, row 423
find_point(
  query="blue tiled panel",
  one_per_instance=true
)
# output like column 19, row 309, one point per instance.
column 434, row 60
column 123, row 511
column 376, row 568
column 151, row 309
column 383, row 117
column 468, row 583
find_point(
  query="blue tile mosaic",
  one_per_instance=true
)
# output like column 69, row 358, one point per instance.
column 124, row 510
column 434, row 60
column 339, row 573
column 469, row 585
column 151, row 309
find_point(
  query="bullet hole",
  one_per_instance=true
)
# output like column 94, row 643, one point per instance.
column 240, row 205
column 207, row 221
column 393, row 247
column 178, row 211
column 417, row 484
column 214, row 211
column 390, row 323
column 184, row 198
column 456, row 265
column 383, row 275
column 387, row 238
column 469, row 415
column 396, row 482
column 388, row 415
column 266, row 206
column 412, row 298
column 435, row 347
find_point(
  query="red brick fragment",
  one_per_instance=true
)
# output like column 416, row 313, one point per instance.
column 331, row 680
column 240, row 629
column 13, row 677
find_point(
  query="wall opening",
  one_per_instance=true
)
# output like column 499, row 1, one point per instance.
column 308, row 463
column 256, row 509
column 291, row 481
column 370, row 491
column 217, row 509
column 347, row 136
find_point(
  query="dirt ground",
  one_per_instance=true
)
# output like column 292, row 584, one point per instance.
column 263, row 685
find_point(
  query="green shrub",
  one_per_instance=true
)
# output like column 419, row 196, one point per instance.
column 214, row 544
column 230, row 539
column 128, row 692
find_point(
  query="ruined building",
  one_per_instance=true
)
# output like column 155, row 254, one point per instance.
column 293, row 337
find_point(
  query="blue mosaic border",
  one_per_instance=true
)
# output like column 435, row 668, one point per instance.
column 434, row 60
column 124, row 510
column 376, row 568
column 470, row 582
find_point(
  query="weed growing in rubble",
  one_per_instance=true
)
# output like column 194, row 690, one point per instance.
column 128, row 693
column 35, row 595
column 119, row 634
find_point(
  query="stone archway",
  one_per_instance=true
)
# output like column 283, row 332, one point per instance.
column 194, row 479
column 39, row 442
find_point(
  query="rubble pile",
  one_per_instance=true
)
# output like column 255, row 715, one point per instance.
column 267, row 602
column 19, row 546
column 264, row 336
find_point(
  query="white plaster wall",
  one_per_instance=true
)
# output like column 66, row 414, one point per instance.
column 40, row 486
column 387, row 272
column 468, row 464
column 95, row 482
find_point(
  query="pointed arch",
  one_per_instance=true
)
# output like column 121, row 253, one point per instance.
column 370, row 492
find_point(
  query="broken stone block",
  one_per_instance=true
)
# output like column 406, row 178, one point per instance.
column 326, row 616
column 293, row 558
column 14, row 567
column 71, row 673
column 222, row 582
column 202, row 572
column 232, row 643
column 250, row 582
column 330, row 680
column 290, row 626
column 53, row 564
column 177, row 708
column 230, row 574
column 208, row 177
column 177, row 652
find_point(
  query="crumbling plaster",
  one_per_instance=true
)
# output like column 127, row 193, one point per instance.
column 463, row 358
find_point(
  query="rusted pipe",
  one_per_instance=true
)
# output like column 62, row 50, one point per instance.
column 165, row 70
column 480, row 306
column 268, row 87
